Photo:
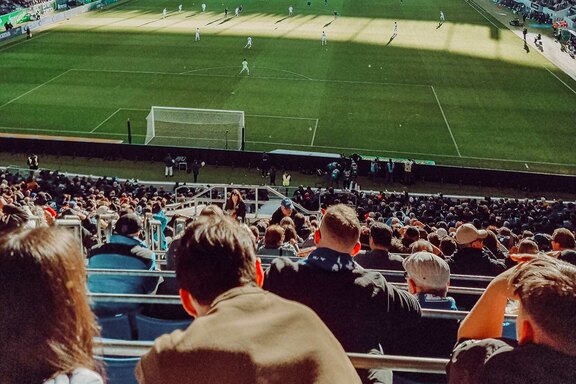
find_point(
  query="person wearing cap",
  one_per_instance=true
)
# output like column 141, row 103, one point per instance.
column 359, row 306
column 378, row 256
column 286, row 209
column 470, row 258
column 124, row 250
column 428, row 277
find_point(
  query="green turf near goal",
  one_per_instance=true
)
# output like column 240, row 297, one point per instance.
column 190, row 127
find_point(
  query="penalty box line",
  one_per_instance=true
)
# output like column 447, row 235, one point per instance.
column 112, row 115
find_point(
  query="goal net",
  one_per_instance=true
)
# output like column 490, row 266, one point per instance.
column 189, row 127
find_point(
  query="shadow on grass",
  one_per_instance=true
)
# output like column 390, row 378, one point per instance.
column 391, row 39
column 224, row 21
column 217, row 20
column 526, row 47
column 328, row 24
column 282, row 19
column 192, row 15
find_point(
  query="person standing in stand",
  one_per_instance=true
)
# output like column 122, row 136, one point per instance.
column 196, row 165
column 33, row 163
column 169, row 166
column 272, row 174
column 286, row 177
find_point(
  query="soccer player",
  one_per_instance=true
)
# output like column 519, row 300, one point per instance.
column 197, row 38
column 204, row 7
column 245, row 67
column 441, row 17
column 323, row 38
column 225, row 12
column 237, row 12
column 180, row 8
column 248, row 43
column 395, row 32
column 164, row 13
column 290, row 9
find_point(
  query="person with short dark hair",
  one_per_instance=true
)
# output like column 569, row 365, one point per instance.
column 169, row 163
column 378, row 257
column 545, row 352
column 274, row 243
column 241, row 334
column 124, row 250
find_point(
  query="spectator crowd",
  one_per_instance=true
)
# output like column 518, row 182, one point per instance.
column 321, row 293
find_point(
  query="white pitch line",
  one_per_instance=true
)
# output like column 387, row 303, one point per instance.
column 105, row 120
column 562, row 81
column 314, row 134
column 252, row 77
column 282, row 117
column 477, row 8
column 66, row 131
column 446, row 121
column 283, row 70
column 316, row 146
column 36, row 37
column 35, row 88
column 416, row 153
column 134, row 109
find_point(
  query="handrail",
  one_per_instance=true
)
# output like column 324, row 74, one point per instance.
column 135, row 272
column 129, row 348
column 174, row 299
column 192, row 201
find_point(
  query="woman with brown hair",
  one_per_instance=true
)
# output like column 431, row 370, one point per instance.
column 46, row 323
column 235, row 206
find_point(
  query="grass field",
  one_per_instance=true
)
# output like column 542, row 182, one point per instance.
column 464, row 93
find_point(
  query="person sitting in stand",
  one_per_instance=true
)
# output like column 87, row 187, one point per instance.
column 545, row 352
column 235, row 206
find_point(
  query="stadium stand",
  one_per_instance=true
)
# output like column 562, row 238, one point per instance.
column 90, row 206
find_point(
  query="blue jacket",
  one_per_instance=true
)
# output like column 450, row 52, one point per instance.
column 121, row 252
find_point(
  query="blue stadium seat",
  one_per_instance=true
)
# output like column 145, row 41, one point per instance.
column 509, row 330
column 119, row 370
column 115, row 327
column 150, row 328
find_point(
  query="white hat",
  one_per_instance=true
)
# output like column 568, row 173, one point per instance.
column 441, row 232
column 467, row 233
column 427, row 270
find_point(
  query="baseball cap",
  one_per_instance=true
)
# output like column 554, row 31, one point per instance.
column 441, row 232
column 287, row 203
column 427, row 270
column 128, row 224
column 467, row 233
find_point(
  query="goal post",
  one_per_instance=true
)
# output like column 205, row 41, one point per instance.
column 193, row 127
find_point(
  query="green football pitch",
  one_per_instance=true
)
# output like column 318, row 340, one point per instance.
column 463, row 93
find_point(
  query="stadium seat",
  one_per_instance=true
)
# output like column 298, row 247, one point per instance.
column 119, row 370
column 116, row 327
column 150, row 328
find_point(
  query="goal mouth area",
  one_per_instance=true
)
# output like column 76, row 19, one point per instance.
column 193, row 127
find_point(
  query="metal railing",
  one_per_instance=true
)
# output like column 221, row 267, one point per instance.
column 122, row 348
column 204, row 197
column 175, row 300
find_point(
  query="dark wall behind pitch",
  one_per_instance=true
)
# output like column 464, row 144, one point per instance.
column 532, row 182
